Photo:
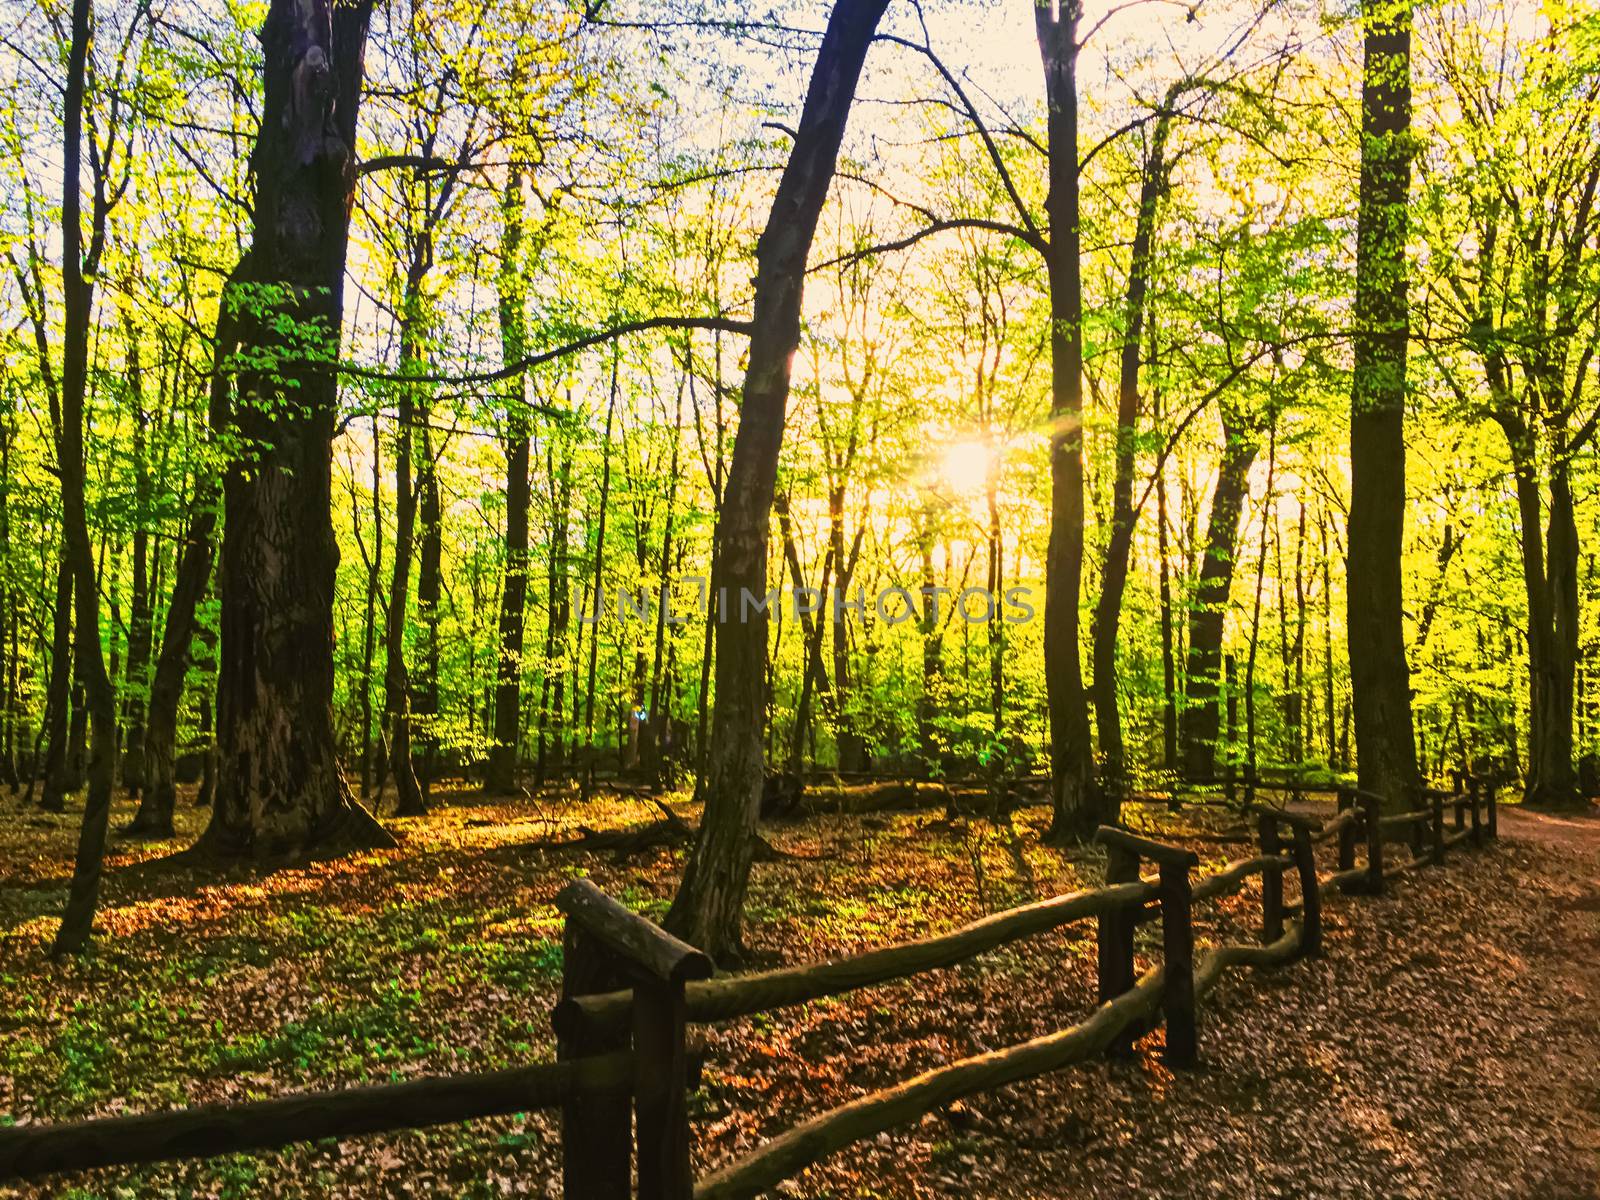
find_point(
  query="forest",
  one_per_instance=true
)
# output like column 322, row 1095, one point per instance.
column 613, row 435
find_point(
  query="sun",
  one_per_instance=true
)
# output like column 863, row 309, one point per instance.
column 966, row 466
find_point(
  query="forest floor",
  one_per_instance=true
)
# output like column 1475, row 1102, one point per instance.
column 1447, row 1044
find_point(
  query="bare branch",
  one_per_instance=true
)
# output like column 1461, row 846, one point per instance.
column 565, row 350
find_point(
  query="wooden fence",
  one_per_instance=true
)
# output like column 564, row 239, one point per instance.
column 630, row 991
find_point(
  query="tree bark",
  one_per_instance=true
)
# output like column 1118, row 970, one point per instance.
column 77, row 919
column 1380, row 678
column 501, row 774
column 409, row 799
column 1075, row 796
column 1550, row 570
column 279, row 787
column 709, row 907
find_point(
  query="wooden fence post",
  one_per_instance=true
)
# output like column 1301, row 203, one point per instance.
column 1124, row 852
column 595, row 1138
column 1271, row 881
column 1489, row 790
column 1418, row 837
column 1310, row 893
column 1438, row 828
column 1115, row 942
column 1477, row 816
column 1372, row 811
column 660, row 1090
column 1177, row 943
column 596, row 1129
column 1347, row 835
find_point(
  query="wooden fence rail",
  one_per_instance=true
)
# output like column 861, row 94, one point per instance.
column 211, row 1130
column 630, row 992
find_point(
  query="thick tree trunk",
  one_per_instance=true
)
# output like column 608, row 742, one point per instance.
column 1124, row 516
column 1200, row 722
column 709, row 907
column 279, row 787
column 1075, row 795
column 1380, row 679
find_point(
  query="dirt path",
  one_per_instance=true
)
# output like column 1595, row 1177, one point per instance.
column 1446, row 1045
column 1572, row 887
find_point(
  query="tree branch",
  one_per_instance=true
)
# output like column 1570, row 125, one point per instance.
column 938, row 226
column 510, row 370
column 989, row 143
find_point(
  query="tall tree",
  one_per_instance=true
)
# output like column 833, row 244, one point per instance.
column 280, row 789
column 77, row 274
column 708, row 909
column 1124, row 512
column 1516, row 284
column 501, row 775
column 1380, row 679
column 1075, row 795
column 140, row 631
